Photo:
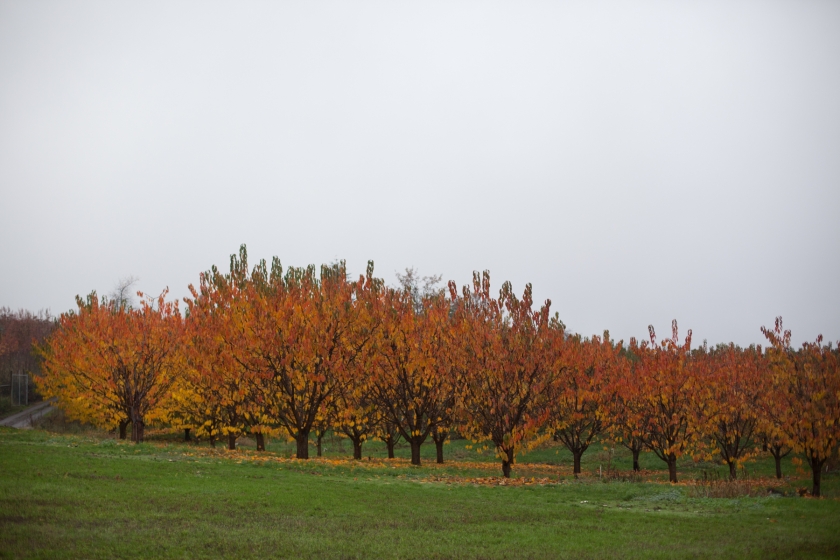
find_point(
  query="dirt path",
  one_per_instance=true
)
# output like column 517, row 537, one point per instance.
column 24, row 418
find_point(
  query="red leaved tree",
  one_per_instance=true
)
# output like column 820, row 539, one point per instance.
column 727, row 401
column 805, row 397
column 580, row 393
column 658, row 398
column 503, row 376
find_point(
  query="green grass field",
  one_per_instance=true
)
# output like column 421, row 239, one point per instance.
column 86, row 495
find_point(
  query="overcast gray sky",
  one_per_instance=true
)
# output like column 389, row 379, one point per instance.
column 635, row 161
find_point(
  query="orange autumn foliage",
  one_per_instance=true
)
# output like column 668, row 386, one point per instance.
column 112, row 365
column 502, row 378
column 580, row 392
column 804, row 400
column 657, row 397
column 727, row 399
column 300, row 334
column 218, row 395
column 413, row 376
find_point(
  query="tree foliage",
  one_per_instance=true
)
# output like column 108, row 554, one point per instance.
column 113, row 365
column 296, row 352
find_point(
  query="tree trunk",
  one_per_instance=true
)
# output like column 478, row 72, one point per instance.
column 415, row 452
column 357, row 449
column 507, row 463
column 672, row 467
column 389, row 443
column 187, row 434
column 318, row 441
column 213, row 441
column 439, row 438
column 260, row 437
column 232, row 442
column 733, row 470
column 302, row 445
column 576, row 455
column 137, row 431
column 816, row 471
column 776, row 452
column 635, row 448
column 123, row 428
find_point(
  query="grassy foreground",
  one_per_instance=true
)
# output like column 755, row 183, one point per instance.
column 83, row 496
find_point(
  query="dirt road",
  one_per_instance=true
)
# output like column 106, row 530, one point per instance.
column 24, row 418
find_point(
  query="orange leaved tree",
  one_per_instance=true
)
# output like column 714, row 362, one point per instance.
column 658, row 397
column 623, row 402
column 805, row 397
column 727, row 400
column 502, row 372
column 353, row 407
column 579, row 395
column 413, row 379
column 222, row 394
column 301, row 334
column 112, row 365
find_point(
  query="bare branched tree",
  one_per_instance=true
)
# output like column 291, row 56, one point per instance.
column 419, row 286
column 122, row 295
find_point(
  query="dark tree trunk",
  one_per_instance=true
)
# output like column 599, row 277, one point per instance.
column 231, row 441
column 507, row 463
column 439, row 438
column 415, row 452
column 123, row 429
column 816, row 471
column 137, row 431
column 213, row 441
column 672, row 467
column 319, row 446
column 302, row 445
column 815, row 491
column 136, row 424
column 733, row 470
column 260, row 437
column 357, row 449
column 776, row 452
column 577, row 455
column 390, row 436
column 635, row 448
column 187, row 434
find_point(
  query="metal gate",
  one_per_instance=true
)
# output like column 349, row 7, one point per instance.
column 20, row 389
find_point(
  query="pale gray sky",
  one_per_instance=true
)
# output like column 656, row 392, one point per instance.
column 635, row 161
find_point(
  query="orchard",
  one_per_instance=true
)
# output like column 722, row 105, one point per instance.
column 295, row 353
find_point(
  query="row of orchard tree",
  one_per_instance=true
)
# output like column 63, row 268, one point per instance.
column 267, row 351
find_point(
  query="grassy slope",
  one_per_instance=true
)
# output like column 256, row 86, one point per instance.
column 83, row 496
